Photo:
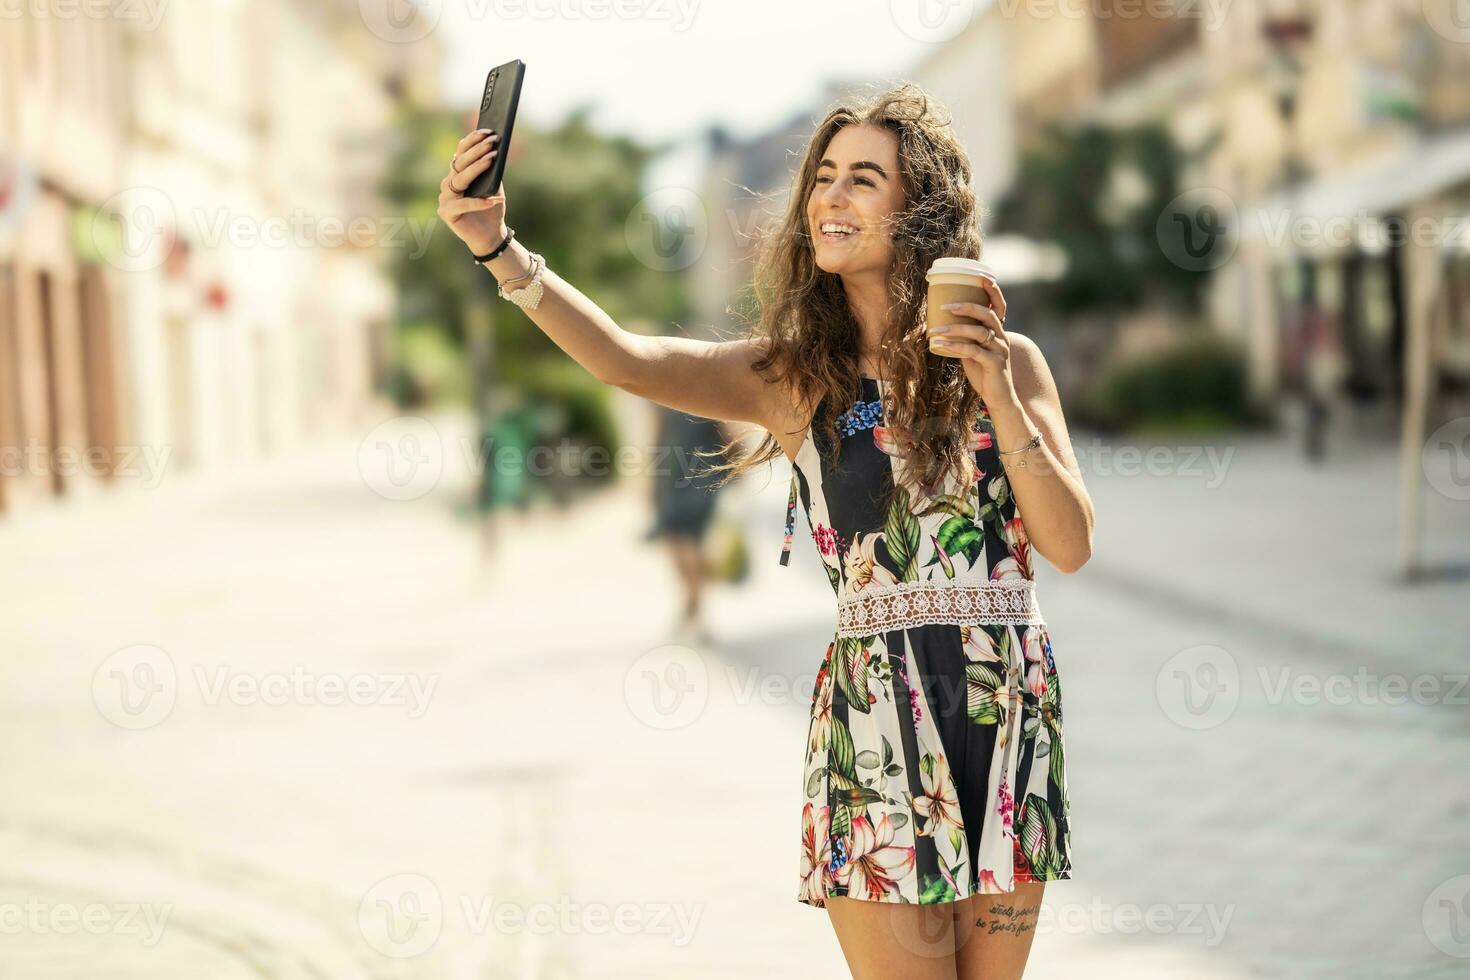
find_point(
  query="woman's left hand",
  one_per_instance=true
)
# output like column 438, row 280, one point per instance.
column 982, row 347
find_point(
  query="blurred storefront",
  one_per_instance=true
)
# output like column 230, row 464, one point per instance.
column 61, row 379
column 192, row 246
column 1300, row 116
column 1347, row 126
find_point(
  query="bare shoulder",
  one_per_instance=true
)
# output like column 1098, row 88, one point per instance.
column 785, row 418
column 1038, row 394
column 1029, row 370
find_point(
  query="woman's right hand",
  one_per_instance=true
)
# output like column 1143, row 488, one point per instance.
column 478, row 221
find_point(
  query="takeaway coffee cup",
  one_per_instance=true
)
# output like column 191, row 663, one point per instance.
column 956, row 280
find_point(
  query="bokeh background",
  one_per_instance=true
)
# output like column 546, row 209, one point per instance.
column 334, row 642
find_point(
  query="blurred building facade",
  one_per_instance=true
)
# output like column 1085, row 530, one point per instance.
column 1305, row 114
column 191, row 240
column 1344, row 124
column 1309, row 116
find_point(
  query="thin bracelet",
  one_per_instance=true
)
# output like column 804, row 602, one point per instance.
column 1031, row 444
column 525, row 275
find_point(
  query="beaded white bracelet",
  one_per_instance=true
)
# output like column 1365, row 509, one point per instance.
column 528, row 297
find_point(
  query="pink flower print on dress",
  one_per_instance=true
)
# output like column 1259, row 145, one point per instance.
column 826, row 538
column 883, row 438
column 1005, row 805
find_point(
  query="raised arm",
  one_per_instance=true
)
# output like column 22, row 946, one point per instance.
column 706, row 378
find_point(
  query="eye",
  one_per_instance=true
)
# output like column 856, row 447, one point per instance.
column 860, row 180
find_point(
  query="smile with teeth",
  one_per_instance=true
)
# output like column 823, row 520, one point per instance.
column 836, row 231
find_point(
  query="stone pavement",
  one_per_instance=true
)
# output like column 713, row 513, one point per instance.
column 273, row 724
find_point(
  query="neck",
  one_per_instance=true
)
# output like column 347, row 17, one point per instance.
column 871, row 304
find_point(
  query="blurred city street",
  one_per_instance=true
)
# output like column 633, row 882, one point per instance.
column 267, row 722
column 293, row 685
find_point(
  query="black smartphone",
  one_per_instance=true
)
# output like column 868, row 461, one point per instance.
column 498, row 114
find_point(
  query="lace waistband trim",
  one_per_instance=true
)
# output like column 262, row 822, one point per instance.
column 877, row 608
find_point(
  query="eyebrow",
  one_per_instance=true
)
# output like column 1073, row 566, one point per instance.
column 860, row 165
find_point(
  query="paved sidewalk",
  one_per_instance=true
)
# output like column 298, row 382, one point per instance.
column 385, row 757
column 1244, row 532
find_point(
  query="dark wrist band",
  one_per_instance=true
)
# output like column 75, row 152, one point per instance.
column 511, row 233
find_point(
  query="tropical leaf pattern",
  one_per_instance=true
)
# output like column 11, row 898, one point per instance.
column 887, row 817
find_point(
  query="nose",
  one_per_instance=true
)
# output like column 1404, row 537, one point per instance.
column 834, row 193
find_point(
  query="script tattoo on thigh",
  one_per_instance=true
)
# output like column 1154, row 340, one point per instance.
column 1005, row 917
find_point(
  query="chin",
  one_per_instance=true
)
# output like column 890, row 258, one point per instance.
column 833, row 263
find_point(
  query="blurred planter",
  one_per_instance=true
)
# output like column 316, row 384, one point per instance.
column 428, row 368
column 1195, row 384
column 577, row 410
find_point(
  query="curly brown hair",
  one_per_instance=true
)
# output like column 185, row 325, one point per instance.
column 807, row 330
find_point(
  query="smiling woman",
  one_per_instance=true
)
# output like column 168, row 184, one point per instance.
column 931, row 475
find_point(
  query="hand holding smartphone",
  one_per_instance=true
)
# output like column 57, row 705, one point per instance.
column 498, row 106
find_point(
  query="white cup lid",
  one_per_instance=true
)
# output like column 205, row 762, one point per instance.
column 956, row 264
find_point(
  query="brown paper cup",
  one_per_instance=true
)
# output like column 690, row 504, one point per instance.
column 955, row 280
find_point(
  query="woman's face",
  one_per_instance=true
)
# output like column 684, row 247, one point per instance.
column 856, row 186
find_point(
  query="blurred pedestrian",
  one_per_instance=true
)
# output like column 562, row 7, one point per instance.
column 685, row 493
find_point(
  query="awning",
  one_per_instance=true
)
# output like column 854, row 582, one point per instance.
column 1016, row 259
column 1419, row 170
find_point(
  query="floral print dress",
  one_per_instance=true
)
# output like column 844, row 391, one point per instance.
column 934, row 759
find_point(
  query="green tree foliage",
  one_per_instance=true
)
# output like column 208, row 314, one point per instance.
column 1098, row 192
column 570, row 192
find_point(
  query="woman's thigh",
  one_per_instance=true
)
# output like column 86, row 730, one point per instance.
column 993, row 933
column 883, row 940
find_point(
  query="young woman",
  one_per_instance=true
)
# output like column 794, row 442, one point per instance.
column 935, row 784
